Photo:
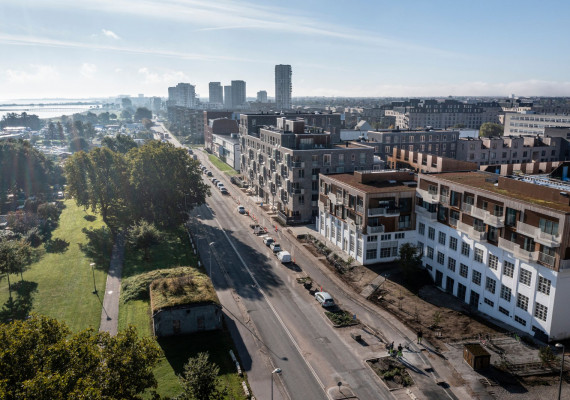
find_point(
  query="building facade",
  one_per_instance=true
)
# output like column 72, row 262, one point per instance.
column 283, row 87
column 188, row 119
column 227, row 148
column 369, row 215
column 527, row 122
column 228, row 97
column 183, row 95
column 501, row 245
column 427, row 163
column 216, row 93
column 282, row 164
column 223, row 127
column 262, row 96
column 238, row 94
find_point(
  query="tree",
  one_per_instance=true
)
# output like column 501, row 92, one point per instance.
column 147, row 123
column 78, row 144
column 409, row 259
column 15, row 256
column 51, row 132
column 41, row 359
column 120, row 143
column 143, row 235
column 104, row 117
column 60, row 134
column 126, row 115
column 142, row 112
column 200, row 379
column 98, row 180
column 491, row 129
column 166, row 183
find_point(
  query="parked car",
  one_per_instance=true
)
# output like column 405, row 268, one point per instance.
column 284, row 257
column 241, row 209
column 276, row 247
column 324, row 299
column 215, row 181
column 220, row 184
column 209, row 173
column 267, row 240
column 224, row 190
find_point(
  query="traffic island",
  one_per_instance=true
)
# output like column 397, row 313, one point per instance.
column 341, row 318
column 392, row 373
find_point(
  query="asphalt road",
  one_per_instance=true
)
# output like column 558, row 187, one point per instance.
column 292, row 328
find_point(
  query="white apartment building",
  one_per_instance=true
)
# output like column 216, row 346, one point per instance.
column 527, row 122
column 500, row 244
column 368, row 214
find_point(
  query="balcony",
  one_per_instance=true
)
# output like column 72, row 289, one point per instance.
column 422, row 212
column 390, row 212
column 518, row 252
column 444, row 199
column 334, row 199
column 471, row 231
column 432, row 198
column 360, row 209
column 297, row 164
column 546, row 259
column 375, row 229
column 539, row 236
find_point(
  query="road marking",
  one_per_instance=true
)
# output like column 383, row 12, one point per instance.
column 274, row 311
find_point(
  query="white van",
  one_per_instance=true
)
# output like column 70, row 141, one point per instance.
column 284, row 257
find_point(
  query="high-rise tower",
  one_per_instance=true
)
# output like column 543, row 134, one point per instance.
column 283, row 86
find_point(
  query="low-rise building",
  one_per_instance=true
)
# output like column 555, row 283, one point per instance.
column 368, row 214
column 500, row 244
column 530, row 123
column 282, row 164
column 227, row 148
column 427, row 163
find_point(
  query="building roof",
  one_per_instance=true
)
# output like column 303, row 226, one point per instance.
column 492, row 183
column 382, row 185
column 191, row 289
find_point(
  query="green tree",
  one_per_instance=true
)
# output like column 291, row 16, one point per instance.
column 200, row 379
column 98, row 180
column 60, row 134
column 104, row 117
column 15, row 256
column 143, row 235
column 491, row 129
column 165, row 182
column 409, row 259
column 79, row 128
column 120, row 143
column 142, row 112
column 41, row 359
column 51, row 132
column 78, row 144
column 126, row 115
column 546, row 355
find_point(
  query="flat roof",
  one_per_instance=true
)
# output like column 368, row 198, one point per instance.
column 192, row 288
column 372, row 187
column 484, row 181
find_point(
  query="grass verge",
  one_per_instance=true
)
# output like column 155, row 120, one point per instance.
column 59, row 284
column 341, row 318
column 222, row 166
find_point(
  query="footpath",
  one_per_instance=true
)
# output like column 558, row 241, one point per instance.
column 110, row 312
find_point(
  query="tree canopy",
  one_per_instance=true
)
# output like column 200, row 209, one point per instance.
column 200, row 379
column 142, row 112
column 491, row 129
column 31, row 121
column 41, row 359
column 120, row 143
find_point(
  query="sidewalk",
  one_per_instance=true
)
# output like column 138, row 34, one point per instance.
column 110, row 312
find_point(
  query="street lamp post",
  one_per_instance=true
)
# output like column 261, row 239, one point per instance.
column 560, row 345
column 211, row 244
column 275, row 371
column 93, row 271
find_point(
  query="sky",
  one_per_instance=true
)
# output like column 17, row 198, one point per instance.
column 357, row 48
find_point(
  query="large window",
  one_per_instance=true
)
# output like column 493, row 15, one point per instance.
column 440, row 258
column 431, row 233
column 506, row 293
column 549, row 227
column 451, row 264
column 453, row 243
column 465, row 249
column 430, row 253
column 371, row 254
column 493, row 261
column 463, row 270
column 422, row 228
column 522, row 301
column 476, row 277
column 490, row 284
column 508, row 269
column 540, row 311
column 525, row 277
column 441, row 238
column 544, row 285
column 478, row 256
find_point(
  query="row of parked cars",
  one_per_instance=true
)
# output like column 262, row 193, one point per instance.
column 282, row 255
column 215, row 181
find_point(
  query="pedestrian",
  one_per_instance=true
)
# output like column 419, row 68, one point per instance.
column 390, row 348
column 420, row 336
column 400, row 350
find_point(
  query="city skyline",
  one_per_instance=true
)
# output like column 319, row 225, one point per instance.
column 381, row 49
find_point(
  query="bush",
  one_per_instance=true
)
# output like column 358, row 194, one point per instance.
column 137, row 287
column 341, row 318
column 57, row 245
column 33, row 237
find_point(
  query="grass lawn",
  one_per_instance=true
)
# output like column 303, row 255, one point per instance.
column 60, row 284
column 222, row 166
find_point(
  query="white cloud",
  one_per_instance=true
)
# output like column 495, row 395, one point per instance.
column 88, row 70
column 36, row 73
column 168, row 77
column 110, row 34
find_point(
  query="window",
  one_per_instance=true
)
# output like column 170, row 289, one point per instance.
column 490, row 285
column 441, row 238
column 465, row 249
column 430, row 252
column 301, row 173
column 451, row 264
column 540, row 311
column 431, row 233
column 508, row 269
column 522, row 301
column 463, row 270
column 489, row 302
column 420, row 248
column 478, row 256
column 371, row 254
column 520, row 320
column 362, row 158
column 549, row 227
column 504, row 310
column 385, row 252
column 372, row 238
column 544, row 285
column 493, row 261
column 422, row 229
column 440, row 258
column 525, row 277
column 476, row 277
column 453, row 243
column 506, row 293
column 326, row 159
column 388, row 236
column 400, row 235
column 429, row 267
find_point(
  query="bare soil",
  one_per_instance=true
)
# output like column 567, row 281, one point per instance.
column 397, row 377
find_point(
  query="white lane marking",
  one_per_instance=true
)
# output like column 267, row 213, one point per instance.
column 274, row 311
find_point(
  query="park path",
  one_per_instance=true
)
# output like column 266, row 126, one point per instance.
column 110, row 311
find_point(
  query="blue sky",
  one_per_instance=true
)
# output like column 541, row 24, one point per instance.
column 90, row 48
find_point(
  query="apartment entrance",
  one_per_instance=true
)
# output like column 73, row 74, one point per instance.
column 449, row 283
column 461, row 291
column 438, row 278
column 474, row 300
